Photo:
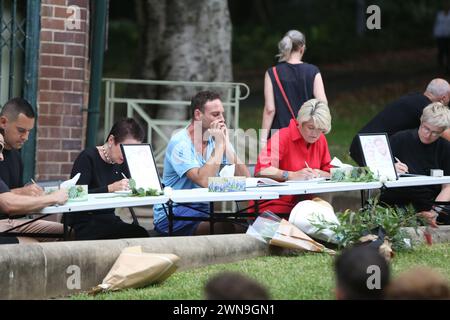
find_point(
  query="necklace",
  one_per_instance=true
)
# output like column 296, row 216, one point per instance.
column 108, row 159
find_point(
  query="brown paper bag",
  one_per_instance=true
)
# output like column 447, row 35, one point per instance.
column 137, row 269
column 289, row 236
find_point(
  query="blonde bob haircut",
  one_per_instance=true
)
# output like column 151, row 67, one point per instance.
column 436, row 114
column 318, row 111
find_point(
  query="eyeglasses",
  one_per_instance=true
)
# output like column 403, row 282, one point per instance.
column 314, row 129
column 427, row 130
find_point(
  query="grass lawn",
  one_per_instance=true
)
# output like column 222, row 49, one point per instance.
column 306, row 276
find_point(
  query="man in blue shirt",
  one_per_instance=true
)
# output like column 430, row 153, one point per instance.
column 194, row 154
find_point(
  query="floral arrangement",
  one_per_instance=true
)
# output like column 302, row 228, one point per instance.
column 141, row 192
column 226, row 184
column 78, row 193
column 354, row 174
column 353, row 226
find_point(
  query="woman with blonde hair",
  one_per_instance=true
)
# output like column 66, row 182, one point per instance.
column 289, row 84
column 297, row 152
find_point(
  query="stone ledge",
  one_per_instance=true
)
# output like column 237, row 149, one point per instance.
column 40, row 271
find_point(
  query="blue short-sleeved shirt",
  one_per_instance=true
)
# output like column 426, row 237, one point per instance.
column 181, row 157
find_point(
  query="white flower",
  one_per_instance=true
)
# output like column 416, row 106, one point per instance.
column 168, row 191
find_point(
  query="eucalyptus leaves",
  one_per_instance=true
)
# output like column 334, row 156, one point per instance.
column 353, row 225
column 141, row 192
column 355, row 174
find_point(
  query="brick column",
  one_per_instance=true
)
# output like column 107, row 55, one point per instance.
column 63, row 88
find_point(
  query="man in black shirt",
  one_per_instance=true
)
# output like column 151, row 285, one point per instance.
column 17, row 120
column 421, row 150
column 403, row 114
column 12, row 206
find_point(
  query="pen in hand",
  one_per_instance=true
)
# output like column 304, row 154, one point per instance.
column 307, row 166
column 401, row 163
column 123, row 175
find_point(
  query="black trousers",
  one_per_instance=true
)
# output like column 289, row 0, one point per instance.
column 106, row 226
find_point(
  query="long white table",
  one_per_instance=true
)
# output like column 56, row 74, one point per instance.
column 330, row 186
column 184, row 197
column 417, row 181
column 109, row 200
column 202, row 195
column 98, row 201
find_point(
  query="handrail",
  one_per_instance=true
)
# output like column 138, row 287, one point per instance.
column 236, row 92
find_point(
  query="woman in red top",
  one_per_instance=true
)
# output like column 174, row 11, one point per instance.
column 298, row 152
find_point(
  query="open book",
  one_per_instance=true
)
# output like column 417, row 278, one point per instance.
column 262, row 182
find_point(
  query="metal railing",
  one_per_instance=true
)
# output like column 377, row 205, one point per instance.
column 115, row 96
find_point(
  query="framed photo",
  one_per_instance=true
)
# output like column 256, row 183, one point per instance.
column 377, row 154
column 141, row 164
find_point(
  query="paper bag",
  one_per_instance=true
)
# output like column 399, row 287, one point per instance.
column 137, row 269
column 289, row 236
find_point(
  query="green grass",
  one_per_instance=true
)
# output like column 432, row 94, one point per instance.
column 304, row 276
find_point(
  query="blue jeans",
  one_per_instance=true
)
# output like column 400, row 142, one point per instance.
column 182, row 227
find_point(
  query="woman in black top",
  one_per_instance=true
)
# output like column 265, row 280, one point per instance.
column 300, row 81
column 102, row 169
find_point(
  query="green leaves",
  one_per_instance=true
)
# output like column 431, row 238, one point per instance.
column 353, row 225
column 141, row 192
column 132, row 183
column 355, row 174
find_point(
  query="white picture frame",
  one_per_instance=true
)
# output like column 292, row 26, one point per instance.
column 141, row 165
column 377, row 155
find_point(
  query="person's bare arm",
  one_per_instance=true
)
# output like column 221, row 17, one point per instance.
column 29, row 190
column 14, row 204
column 211, row 167
column 431, row 215
column 319, row 89
column 269, row 109
column 277, row 174
column 232, row 158
column 444, row 195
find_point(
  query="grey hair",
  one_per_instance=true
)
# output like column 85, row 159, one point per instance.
column 318, row 111
column 436, row 114
column 438, row 87
column 293, row 40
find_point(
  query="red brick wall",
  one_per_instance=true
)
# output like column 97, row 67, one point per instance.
column 63, row 90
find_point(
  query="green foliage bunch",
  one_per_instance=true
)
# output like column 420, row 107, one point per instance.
column 75, row 192
column 141, row 192
column 355, row 174
column 353, row 225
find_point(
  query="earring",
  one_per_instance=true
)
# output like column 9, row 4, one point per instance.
column 109, row 146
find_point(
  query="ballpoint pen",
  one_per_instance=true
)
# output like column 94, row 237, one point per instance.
column 123, row 175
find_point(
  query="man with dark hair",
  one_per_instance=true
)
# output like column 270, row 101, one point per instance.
column 362, row 273
column 17, row 120
column 13, row 206
column 192, row 155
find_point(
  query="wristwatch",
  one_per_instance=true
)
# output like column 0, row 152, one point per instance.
column 285, row 175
